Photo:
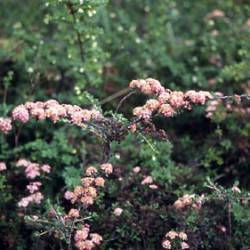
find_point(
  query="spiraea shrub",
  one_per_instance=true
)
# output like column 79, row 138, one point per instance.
column 90, row 159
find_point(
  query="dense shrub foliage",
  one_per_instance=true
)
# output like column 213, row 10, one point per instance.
column 90, row 158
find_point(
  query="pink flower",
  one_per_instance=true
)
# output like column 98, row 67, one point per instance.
column 29, row 105
column 33, row 198
column 91, row 171
column 22, row 163
column 152, row 104
column 166, row 244
column 149, row 86
column 222, row 228
column 215, row 14
column 142, row 112
column 137, row 83
column 184, row 245
column 91, row 191
column 183, row 235
column 153, row 186
column 99, row 182
column 107, row 168
column 34, row 217
column 167, row 110
column 133, row 128
column 87, row 181
column 24, row 202
column 136, row 170
column 96, row 115
column 38, row 112
column 82, row 234
column 118, row 211
column 177, row 99
column 73, row 213
column 147, row 180
column 37, row 197
column 34, row 186
column 55, row 111
column 50, row 103
column 77, row 117
column 155, row 85
column 86, row 115
column 46, row 168
column 164, row 97
column 2, row 166
column 32, row 170
column 68, row 195
column 211, row 108
column 236, row 189
column 85, row 245
column 172, row 234
column 146, row 89
column 20, row 113
column 197, row 97
column 184, row 201
column 96, row 238
column 5, row 125
column 87, row 200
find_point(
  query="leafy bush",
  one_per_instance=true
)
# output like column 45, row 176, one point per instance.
column 178, row 179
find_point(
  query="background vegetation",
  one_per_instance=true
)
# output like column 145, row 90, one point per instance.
column 84, row 53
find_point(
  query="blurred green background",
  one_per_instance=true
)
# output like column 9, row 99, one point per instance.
column 84, row 52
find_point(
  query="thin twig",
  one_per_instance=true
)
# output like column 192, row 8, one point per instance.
column 123, row 99
column 231, row 97
column 70, row 234
column 230, row 222
column 115, row 95
column 79, row 40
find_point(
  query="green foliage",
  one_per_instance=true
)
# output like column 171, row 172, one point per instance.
column 5, row 194
column 84, row 52
column 156, row 158
column 72, row 177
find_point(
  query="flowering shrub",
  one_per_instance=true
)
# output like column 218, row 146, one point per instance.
column 173, row 236
column 87, row 162
column 32, row 170
column 167, row 103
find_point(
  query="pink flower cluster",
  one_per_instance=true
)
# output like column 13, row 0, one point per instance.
column 35, row 198
column 170, row 237
column 215, row 14
column 107, row 168
column 2, row 166
column 148, row 86
column 5, row 125
column 214, row 105
column 20, row 113
column 148, row 180
column 73, row 213
column 136, row 169
column 189, row 200
column 118, row 211
column 32, row 169
column 55, row 111
column 167, row 102
column 236, row 189
column 34, row 186
column 85, row 240
column 50, row 109
column 87, row 193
